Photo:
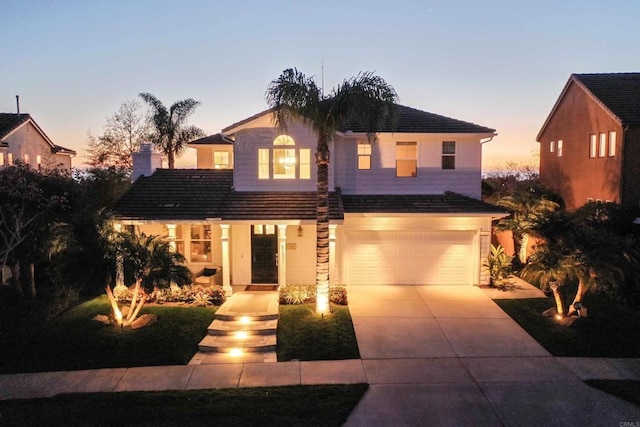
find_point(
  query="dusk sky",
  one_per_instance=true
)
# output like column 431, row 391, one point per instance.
column 500, row 64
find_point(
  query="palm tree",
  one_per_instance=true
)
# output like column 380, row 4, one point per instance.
column 365, row 97
column 528, row 211
column 152, row 264
column 171, row 134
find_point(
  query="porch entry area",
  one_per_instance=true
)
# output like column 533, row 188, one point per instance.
column 264, row 253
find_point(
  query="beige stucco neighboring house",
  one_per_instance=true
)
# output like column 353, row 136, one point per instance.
column 404, row 207
column 21, row 139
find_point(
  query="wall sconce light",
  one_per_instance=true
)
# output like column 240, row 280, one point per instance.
column 300, row 231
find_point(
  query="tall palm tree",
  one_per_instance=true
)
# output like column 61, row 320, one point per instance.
column 528, row 211
column 171, row 133
column 366, row 98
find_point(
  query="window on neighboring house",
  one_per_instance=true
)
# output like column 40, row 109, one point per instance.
column 364, row 155
column 448, row 154
column 200, row 243
column 602, row 146
column 9, row 158
column 39, row 160
column 221, row 160
column 552, row 146
column 1, row 159
column 612, row 144
column 593, row 146
column 559, row 148
column 26, row 159
column 406, row 159
column 286, row 163
column 589, row 200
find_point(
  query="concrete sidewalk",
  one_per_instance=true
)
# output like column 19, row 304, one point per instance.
column 436, row 355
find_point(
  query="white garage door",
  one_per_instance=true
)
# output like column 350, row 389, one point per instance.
column 408, row 258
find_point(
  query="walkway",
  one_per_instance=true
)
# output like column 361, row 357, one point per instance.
column 435, row 356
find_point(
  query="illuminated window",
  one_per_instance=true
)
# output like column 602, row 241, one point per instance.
column 263, row 163
column 264, row 229
column 9, row 158
column 602, row 146
column 38, row 160
column 406, row 159
column 593, row 146
column 221, row 160
column 1, row 159
column 364, row 155
column 612, row 144
column 560, row 148
column 305, row 163
column 200, row 243
column 552, row 147
column 448, row 154
column 26, row 159
column 286, row 163
column 179, row 239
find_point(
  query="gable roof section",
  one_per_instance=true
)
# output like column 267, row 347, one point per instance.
column 10, row 122
column 407, row 120
column 200, row 194
column 617, row 93
column 448, row 203
column 216, row 139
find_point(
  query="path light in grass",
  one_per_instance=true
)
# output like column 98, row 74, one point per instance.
column 236, row 352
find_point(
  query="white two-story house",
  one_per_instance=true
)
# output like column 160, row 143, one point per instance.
column 405, row 207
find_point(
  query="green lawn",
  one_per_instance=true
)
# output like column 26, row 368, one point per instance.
column 610, row 330
column 304, row 335
column 72, row 341
column 328, row 405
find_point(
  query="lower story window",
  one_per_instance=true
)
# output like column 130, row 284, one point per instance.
column 448, row 154
column 200, row 250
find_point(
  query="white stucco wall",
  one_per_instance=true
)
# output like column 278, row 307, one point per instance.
column 27, row 140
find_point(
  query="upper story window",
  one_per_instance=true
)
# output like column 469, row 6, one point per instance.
column 602, row 146
column 284, row 161
column 552, row 147
column 26, row 159
column 364, row 155
column 612, row 144
column 448, row 154
column 9, row 158
column 593, row 145
column 406, row 159
column 559, row 148
column 221, row 160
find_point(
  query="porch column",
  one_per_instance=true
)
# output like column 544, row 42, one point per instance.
column 171, row 233
column 226, row 260
column 119, row 261
column 282, row 254
column 333, row 273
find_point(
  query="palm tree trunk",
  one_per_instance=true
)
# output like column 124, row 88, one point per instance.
column 578, row 298
column 322, row 227
column 522, row 253
column 558, row 298
column 32, row 281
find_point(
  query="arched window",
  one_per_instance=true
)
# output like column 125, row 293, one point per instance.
column 287, row 162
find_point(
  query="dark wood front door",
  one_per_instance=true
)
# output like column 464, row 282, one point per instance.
column 264, row 254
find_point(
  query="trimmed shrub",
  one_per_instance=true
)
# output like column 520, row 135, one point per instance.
column 306, row 294
column 188, row 294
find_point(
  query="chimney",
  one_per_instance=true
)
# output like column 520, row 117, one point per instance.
column 145, row 161
column 18, row 103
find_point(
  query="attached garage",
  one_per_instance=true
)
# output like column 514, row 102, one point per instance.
column 410, row 257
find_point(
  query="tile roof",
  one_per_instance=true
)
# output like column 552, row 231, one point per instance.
column 619, row 92
column 447, row 203
column 10, row 121
column 212, row 139
column 407, row 120
column 198, row 194
column 411, row 120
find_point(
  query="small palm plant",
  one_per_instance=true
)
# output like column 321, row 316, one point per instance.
column 152, row 264
column 498, row 264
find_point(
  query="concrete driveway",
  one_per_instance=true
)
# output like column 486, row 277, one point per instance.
column 448, row 355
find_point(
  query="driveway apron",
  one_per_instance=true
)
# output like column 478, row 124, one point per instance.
column 448, row 355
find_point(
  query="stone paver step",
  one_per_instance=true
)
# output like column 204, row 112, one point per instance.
column 250, row 317
column 229, row 327
column 233, row 344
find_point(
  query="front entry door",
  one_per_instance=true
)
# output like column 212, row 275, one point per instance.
column 264, row 254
